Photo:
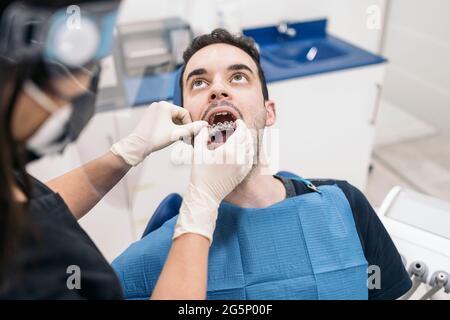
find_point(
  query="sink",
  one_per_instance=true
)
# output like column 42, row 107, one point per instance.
column 310, row 51
column 293, row 53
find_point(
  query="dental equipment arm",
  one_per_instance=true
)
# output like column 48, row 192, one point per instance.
column 439, row 280
column 419, row 273
column 161, row 124
column 185, row 272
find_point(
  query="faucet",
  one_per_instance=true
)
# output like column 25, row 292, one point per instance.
column 283, row 28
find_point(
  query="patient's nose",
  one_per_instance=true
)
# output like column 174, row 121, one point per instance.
column 218, row 92
column 218, row 95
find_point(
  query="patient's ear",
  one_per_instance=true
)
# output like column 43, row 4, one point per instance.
column 270, row 112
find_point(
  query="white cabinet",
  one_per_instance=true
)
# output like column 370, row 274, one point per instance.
column 326, row 123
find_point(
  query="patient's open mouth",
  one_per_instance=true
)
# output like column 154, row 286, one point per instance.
column 221, row 126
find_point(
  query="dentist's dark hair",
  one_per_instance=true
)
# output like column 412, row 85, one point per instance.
column 12, row 166
column 223, row 36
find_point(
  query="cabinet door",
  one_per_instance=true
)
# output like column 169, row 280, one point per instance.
column 325, row 123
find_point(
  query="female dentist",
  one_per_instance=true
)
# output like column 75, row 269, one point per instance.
column 49, row 73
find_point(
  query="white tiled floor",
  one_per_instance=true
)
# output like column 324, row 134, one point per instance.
column 396, row 125
column 408, row 153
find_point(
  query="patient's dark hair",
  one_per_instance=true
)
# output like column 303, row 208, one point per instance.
column 223, row 36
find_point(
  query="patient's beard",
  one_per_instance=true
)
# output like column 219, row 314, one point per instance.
column 257, row 130
column 259, row 124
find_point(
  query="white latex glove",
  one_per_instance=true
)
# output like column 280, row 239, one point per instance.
column 215, row 173
column 161, row 125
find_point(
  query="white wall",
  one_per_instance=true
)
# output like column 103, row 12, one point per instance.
column 418, row 47
column 348, row 18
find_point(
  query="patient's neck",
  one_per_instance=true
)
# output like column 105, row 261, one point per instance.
column 257, row 191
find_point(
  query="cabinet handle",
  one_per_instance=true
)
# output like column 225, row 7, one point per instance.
column 376, row 107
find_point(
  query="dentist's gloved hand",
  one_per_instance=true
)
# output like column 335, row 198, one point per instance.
column 161, row 125
column 215, row 173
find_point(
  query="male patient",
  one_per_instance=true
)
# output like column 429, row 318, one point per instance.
column 276, row 237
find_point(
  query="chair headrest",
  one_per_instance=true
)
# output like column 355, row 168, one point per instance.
column 177, row 89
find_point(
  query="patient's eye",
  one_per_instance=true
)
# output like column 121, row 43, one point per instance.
column 239, row 78
column 198, row 84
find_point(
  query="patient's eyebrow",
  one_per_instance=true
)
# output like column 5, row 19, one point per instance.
column 239, row 66
column 196, row 72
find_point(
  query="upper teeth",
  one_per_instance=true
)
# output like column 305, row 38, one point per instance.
column 224, row 113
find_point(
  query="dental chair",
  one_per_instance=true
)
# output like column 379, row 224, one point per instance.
column 169, row 207
column 418, row 225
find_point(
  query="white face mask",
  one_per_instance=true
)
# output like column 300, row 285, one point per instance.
column 46, row 139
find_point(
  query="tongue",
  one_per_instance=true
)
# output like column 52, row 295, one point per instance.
column 224, row 136
column 219, row 137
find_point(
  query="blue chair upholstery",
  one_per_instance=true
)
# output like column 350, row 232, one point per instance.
column 177, row 90
column 167, row 209
column 287, row 174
